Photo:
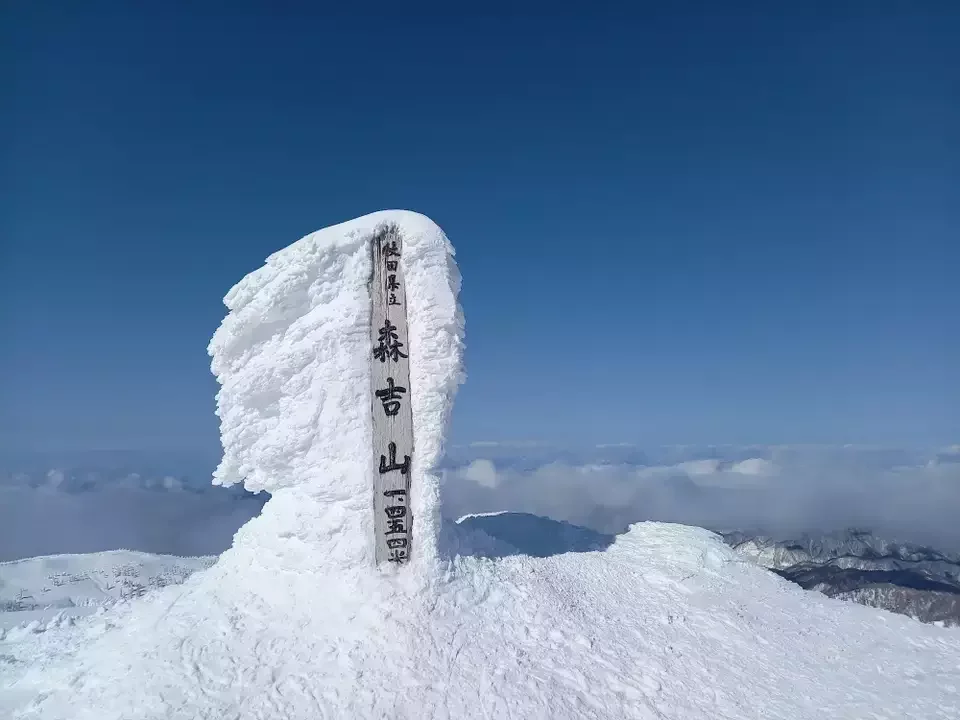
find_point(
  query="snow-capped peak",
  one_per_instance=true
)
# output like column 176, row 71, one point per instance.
column 501, row 616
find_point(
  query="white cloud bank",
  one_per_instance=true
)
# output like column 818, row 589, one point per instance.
column 63, row 511
column 914, row 496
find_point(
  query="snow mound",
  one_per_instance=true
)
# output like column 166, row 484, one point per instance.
column 498, row 616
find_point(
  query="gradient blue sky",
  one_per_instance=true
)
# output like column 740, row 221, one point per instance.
column 750, row 217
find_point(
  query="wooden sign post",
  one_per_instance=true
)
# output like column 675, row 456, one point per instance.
column 392, row 416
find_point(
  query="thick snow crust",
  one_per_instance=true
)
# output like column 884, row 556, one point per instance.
column 295, row 622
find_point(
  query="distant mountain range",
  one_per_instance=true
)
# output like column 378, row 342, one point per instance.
column 857, row 565
column 51, row 591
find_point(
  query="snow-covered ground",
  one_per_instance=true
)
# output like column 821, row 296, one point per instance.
column 663, row 623
column 55, row 588
column 497, row 616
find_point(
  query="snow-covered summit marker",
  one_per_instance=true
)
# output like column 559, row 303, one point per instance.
column 299, row 406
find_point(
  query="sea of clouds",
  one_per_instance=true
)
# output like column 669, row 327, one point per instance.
column 910, row 495
column 87, row 502
column 164, row 502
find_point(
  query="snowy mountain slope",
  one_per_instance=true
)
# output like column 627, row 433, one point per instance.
column 295, row 622
column 42, row 588
column 663, row 623
column 914, row 580
column 847, row 549
column 940, row 607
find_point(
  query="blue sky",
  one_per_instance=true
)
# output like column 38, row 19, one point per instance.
column 685, row 224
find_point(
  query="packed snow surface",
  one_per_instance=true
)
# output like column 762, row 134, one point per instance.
column 496, row 617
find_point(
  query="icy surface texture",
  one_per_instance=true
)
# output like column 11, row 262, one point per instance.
column 293, row 360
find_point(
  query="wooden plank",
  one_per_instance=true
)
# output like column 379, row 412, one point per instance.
column 392, row 415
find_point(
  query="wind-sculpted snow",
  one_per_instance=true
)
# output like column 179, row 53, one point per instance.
column 293, row 359
column 295, row 623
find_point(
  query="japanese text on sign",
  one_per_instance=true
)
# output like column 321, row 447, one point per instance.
column 390, row 400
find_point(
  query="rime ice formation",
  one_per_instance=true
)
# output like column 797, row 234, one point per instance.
column 496, row 617
column 293, row 359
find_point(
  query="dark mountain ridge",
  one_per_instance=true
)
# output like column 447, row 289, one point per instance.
column 914, row 580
